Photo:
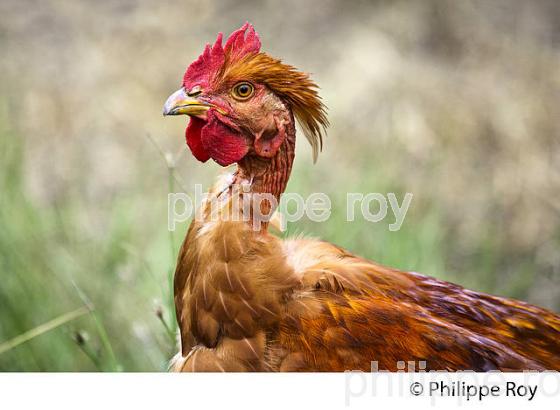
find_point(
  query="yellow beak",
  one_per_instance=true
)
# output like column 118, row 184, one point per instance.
column 179, row 103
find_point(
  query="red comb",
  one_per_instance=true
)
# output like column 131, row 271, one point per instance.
column 205, row 68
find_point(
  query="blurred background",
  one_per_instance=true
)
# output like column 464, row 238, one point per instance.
column 456, row 102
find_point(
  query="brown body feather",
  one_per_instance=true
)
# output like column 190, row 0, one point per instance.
column 248, row 301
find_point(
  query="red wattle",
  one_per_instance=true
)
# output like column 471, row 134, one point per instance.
column 194, row 139
column 223, row 144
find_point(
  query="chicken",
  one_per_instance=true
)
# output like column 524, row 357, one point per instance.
column 248, row 301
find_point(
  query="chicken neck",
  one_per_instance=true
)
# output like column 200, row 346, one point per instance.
column 268, row 175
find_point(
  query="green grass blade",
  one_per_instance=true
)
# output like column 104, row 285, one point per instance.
column 44, row 328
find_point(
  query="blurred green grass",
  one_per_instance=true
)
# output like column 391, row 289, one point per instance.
column 46, row 262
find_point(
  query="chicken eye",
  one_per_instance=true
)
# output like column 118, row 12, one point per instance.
column 243, row 91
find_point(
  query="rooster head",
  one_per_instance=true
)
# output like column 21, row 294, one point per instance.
column 243, row 102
